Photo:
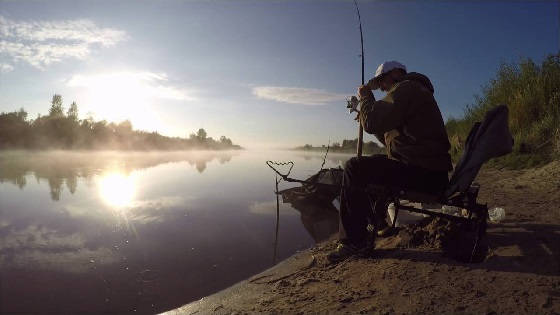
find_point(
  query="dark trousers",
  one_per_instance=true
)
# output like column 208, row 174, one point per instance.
column 378, row 169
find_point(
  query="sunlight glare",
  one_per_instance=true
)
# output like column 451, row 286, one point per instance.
column 121, row 95
column 117, row 190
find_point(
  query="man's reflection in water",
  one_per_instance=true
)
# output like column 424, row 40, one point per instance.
column 320, row 219
column 314, row 202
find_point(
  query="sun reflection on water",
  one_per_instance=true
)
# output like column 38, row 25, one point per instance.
column 117, row 190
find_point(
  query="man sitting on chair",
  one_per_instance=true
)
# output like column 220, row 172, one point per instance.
column 409, row 123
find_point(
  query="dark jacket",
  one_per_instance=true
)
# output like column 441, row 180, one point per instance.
column 408, row 121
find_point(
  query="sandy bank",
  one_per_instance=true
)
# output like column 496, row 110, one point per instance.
column 520, row 275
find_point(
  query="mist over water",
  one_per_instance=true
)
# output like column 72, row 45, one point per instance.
column 143, row 231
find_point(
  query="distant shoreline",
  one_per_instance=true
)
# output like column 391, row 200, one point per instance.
column 323, row 150
column 348, row 146
column 100, row 149
column 62, row 129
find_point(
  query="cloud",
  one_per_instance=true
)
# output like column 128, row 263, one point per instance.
column 295, row 95
column 4, row 68
column 159, row 209
column 141, row 83
column 41, row 43
column 43, row 247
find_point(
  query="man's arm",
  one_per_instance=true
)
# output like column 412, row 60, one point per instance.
column 378, row 117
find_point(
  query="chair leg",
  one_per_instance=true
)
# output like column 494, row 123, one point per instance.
column 475, row 247
column 372, row 227
column 372, row 205
column 397, row 206
column 480, row 230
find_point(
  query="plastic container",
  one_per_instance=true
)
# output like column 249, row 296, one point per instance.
column 434, row 207
column 451, row 210
column 336, row 204
column 391, row 211
column 404, row 216
column 496, row 214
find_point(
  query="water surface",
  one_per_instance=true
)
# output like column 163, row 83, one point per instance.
column 143, row 232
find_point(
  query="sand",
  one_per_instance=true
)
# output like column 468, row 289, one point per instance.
column 409, row 274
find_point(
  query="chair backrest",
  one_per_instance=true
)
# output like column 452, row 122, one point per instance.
column 487, row 139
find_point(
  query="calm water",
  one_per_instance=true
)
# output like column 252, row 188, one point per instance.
column 143, row 232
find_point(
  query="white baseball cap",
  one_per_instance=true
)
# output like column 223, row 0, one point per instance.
column 384, row 68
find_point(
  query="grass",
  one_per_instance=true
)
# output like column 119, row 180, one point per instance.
column 532, row 93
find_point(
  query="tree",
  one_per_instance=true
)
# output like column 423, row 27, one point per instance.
column 348, row 144
column 225, row 141
column 22, row 115
column 56, row 109
column 73, row 111
column 124, row 127
column 14, row 129
column 87, row 123
column 201, row 134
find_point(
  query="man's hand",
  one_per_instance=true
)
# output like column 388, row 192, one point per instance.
column 364, row 91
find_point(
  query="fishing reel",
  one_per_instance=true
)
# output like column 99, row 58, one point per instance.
column 352, row 104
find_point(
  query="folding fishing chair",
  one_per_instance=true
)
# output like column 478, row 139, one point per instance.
column 487, row 139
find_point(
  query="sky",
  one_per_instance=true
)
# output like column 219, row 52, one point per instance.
column 263, row 73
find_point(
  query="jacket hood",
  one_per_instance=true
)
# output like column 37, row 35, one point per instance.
column 420, row 78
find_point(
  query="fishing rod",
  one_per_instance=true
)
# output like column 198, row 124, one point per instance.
column 360, row 128
column 352, row 104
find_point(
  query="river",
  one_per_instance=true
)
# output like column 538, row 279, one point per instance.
column 144, row 232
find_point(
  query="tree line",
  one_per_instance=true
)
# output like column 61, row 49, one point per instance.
column 347, row 146
column 62, row 129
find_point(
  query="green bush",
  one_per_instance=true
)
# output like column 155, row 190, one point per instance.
column 532, row 93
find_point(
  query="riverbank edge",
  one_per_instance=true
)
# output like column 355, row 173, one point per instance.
column 249, row 291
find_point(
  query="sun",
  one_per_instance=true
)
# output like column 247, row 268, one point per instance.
column 119, row 96
column 117, row 190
